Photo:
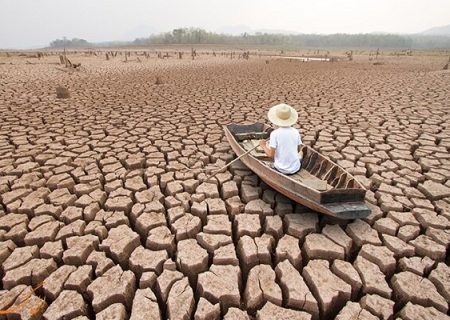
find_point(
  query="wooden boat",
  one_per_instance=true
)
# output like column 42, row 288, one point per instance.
column 321, row 184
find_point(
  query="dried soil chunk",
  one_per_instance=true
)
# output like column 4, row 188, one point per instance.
column 362, row 233
column 403, row 218
column 111, row 219
column 120, row 243
column 68, row 305
column 288, row 248
column 229, row 189
column 207, row 311
column 439, row 235
column 221, row 284
column 6, row 249
column 411, row 287
column 249, row 193
column 142, row 260
column 27, row 306
column 379, row 306
column 372, row 278
column 295, row 291
column 79, row 248
column 426, row 246
column 386, row 225
column 186, row 227
column 417, row 265
column 191, row 258
column 42, row 234
column 254, row 251
column 317, row 246
column 145, row 306
column 398, row 246
column 10, row 220
column 417, row 312
column 441, row 279
column 234, row 206
column 408, row 232
column 218, row 224
column 347, row 272
column 161, row 238
column 353, row 311
column 79, row 279
column 54, row 284
column 212, row 242
column 273, row 225
column 20, row 256
column 200, row 209
column 434, row 190
column 331, row 291
column 299, row 225
column 16, row 233
column 336, row 234
column 31, row 273
column 272, row 311
column 180, row 303
column 7, row 297
column 120, row 203
column 261, row 287
column 62, row 197
column 236, row 314
column 115, row 286
column 100, row 262
column 226, row 255
column 38, row 221
column 75, row 228
column 216, row 206
column 115, row 311
column 165, row 282
column 150, row 220
column 428, row 218
column 247, row 224
column 258, row 207
column 135, row 184
column 208, row 189
column 381, row 256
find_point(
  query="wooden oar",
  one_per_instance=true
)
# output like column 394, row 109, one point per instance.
column 229, row 164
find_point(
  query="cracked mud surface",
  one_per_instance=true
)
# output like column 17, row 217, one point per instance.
column 95, row 201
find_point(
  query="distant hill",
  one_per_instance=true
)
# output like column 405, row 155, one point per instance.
column 438, row 31
column 235, row 30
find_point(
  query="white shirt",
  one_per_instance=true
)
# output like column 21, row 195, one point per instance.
column 285, row 141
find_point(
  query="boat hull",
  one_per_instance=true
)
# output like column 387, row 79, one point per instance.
column 355, row 208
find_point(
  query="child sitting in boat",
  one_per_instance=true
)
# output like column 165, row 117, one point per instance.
column 285, row 141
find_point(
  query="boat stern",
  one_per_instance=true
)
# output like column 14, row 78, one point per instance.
column 348, row 210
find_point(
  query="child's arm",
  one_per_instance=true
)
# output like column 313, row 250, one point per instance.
column 270, row 152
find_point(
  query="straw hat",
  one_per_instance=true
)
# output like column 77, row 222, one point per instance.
column 282, row 115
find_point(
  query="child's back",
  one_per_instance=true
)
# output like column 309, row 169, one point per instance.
column 285, row 141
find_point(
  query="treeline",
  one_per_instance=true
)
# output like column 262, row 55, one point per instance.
column 338, row 40
column 67, row 43
column 199, row 36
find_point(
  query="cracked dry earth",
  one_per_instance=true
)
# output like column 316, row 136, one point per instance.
column 95, row 202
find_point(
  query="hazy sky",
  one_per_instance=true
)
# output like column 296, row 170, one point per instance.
column 34, row 23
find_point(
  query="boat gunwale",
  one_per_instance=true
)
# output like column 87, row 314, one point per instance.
column 325, row 192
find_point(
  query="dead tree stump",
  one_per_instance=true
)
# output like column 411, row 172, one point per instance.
column 62, row 93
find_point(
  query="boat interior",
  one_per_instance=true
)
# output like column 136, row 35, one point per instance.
column 317, row 172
